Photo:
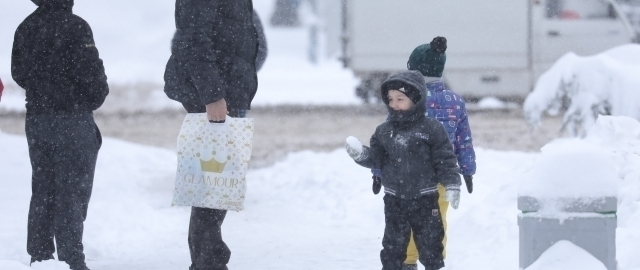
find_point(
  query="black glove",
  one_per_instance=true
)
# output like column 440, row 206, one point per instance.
column 468, row 181
column 377, row 184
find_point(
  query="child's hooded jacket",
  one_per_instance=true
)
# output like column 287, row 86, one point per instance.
column 413, row 151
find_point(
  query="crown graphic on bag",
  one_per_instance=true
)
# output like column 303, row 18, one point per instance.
column 212, row 166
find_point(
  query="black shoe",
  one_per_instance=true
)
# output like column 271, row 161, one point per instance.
column 82, row 266
column 409, row 266
column 39, row 259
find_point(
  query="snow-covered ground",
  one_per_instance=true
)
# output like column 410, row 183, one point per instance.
column 311, row 210
column 134, row 37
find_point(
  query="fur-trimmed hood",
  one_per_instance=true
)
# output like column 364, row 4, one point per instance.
column 412, row 79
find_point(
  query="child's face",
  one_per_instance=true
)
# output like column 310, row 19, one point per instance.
column 398, row 101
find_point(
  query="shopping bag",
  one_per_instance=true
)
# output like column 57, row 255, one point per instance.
column 213, row 160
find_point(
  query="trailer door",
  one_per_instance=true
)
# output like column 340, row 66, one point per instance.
column 585, row 27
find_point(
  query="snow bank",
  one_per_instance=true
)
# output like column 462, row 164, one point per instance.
column 606, row 83
column 311, row 210
column 565, row 255
column 13, row 265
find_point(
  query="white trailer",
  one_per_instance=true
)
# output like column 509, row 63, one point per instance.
column 495, row 47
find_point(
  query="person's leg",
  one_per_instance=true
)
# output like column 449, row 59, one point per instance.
column 426, row 223
column 208, row 250
column 77, row 146
column 396, row 234
column 412, row 252
column 444, row 206
column 40, row 245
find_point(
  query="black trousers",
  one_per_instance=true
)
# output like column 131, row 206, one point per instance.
column 422, row 215
column 63, row 149
column 208, row 250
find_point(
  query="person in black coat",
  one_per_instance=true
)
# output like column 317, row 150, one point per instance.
column 263, row 49
column 212, row 69
column 55, row 60
column 212, row 63
column 415, row 155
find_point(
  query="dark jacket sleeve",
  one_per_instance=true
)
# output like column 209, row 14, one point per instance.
column 87, row 70
column 463, row 145
column 198, row 18
column 19, row 69
column 372, row 156
column 262, row 41
column 443, row 159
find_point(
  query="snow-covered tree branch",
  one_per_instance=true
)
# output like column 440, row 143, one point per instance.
column 607, row 84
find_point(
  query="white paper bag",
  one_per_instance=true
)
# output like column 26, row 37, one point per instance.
column 213, row 161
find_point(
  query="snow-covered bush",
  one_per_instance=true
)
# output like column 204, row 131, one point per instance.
column 607, row 84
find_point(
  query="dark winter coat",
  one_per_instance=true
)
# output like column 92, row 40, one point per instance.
column 262, row 41
column 413, row 151
column 56, row 61
column 213, row 54
column 449, row 108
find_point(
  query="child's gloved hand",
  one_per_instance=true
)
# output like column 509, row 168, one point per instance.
column 468, row 180
column 453, row 197
column 354, row 148
column 377, row 184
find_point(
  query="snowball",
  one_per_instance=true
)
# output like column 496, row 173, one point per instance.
column 354, row 143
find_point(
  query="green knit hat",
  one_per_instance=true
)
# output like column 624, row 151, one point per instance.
column 429, row 58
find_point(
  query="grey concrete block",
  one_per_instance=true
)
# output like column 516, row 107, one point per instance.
column 602, row 205
column 594, row 233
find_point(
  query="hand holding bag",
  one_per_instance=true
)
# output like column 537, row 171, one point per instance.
column 213, row 160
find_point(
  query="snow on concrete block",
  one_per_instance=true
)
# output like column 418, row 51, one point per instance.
column 571, row 169
column 565, row 255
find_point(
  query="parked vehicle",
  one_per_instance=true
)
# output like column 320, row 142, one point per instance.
column 496, row 48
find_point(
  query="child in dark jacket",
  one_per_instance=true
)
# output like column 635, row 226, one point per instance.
column 415, row 155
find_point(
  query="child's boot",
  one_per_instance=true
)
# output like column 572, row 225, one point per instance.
column 409, row 266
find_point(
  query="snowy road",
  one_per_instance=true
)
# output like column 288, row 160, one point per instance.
column 285, row 129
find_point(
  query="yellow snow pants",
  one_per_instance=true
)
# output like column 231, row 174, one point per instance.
column 412, row 251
